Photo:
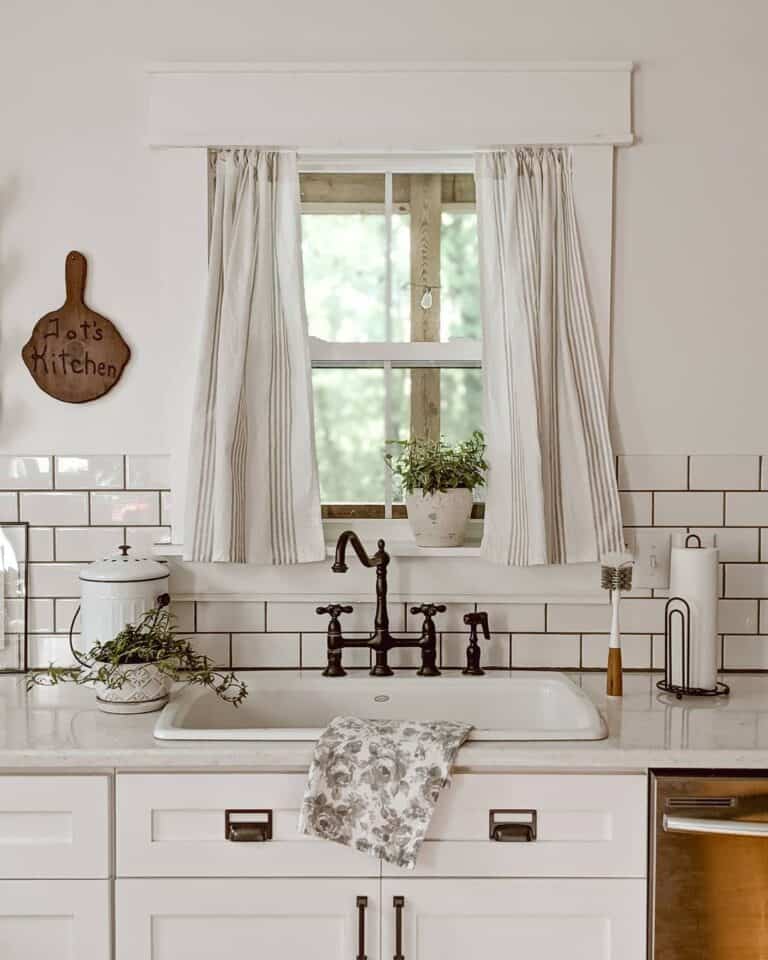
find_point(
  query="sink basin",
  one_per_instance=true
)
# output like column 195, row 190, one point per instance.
column 297, row 706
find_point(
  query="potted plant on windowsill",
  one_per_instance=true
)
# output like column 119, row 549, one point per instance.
column 133, row 672
column 438, row 479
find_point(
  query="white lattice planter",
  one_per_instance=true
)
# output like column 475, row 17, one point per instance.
column 144, row 690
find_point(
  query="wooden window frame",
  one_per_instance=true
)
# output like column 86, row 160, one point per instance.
column 424, row 194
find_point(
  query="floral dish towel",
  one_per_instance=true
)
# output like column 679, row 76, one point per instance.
column 373, row 784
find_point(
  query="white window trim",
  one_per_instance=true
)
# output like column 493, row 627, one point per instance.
column 193, row 106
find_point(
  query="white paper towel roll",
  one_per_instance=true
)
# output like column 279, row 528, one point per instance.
column 693, row 576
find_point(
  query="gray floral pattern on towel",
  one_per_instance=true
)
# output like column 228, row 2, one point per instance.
column 373, row 784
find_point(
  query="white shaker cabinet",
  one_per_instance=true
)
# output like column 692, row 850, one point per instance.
column 55, row 920
column 293, row 919
column 499, row 919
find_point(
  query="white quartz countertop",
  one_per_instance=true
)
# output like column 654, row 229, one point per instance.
column 60, row 727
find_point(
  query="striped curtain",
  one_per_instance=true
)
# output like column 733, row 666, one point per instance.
column 252, row 485
column 552, row 496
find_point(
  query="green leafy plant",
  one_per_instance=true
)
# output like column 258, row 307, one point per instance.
column 432, row 465
column 151, row 640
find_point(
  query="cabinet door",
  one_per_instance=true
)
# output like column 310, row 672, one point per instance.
column 61, row 919
column 292, row 919
column 499, row 919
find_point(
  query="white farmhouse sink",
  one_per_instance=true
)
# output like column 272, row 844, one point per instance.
column 297, row 706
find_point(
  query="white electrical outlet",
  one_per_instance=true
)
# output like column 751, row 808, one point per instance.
column 650, row 549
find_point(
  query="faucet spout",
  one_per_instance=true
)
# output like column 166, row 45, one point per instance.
column 379, row 559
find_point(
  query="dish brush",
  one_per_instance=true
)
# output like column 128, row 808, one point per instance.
column 616, row 576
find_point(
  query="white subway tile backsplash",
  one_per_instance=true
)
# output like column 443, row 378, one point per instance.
column 215, row 646
column 184, row 612
column 134, row 509
column 54, row 579
column 289, row 617
column 40, row 543
column 143, row 539
column 734, row 472
column 314, row 647
column 450, row 620
column 514, row 617
column 233, row 616
column 147, row 472
column 493, row 653
column 650, row 472
column 47, row 649
column 737, row 616
column 89, row 472
column 635, row 651
column 736, row 544
column 688, row 509
column 25, row 473
column 637, row 616
column 746, row 580
column 550, row 650
column 40, row 613
column 64, row 612
column 746, row 653
column 9, row 507
column 406, row 658
column 83, row 544
column 265, row 650
column 54, row 508
column 636, row 509
column 578, row 617
column 746, row 509
column 127, row 497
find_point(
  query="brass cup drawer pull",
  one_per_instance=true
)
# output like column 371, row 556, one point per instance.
column 512, row 826
column 256, row 829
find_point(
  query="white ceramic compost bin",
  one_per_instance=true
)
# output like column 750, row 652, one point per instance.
column 113, row 592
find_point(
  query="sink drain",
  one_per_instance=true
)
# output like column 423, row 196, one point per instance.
column 381, row 698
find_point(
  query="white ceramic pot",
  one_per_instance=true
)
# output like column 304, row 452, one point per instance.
column 439, row 519
column 144, row 690
column 114, row 592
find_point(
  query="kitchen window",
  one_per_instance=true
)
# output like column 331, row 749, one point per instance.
column 392, row 291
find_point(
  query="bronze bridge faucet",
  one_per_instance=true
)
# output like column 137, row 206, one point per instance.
column 381, row 641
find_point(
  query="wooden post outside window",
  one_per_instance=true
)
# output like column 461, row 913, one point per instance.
column 426, row 205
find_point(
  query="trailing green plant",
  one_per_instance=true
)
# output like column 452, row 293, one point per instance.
column 151, row 640
column 432, row 465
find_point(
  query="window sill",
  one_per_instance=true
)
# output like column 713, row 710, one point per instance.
column 395, row 548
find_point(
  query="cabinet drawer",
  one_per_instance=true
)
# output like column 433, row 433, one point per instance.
column 55, row 919
column 591, row 825
column 173, row 825
column 253, row 919
column 504, row 919
column 54, row 827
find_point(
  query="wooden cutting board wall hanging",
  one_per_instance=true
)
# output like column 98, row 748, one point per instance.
column 75, row 354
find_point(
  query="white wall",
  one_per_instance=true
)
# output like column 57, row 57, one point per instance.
column 690, row 272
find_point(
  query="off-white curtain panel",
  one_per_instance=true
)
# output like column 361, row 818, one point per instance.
column 253, row 493
column 552, row 496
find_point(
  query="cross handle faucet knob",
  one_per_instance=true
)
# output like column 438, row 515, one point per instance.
column 429, row 609
column 334, row 610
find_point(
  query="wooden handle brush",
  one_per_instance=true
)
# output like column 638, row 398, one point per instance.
column 616, row 575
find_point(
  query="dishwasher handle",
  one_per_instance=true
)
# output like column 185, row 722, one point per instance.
column 715, row 827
